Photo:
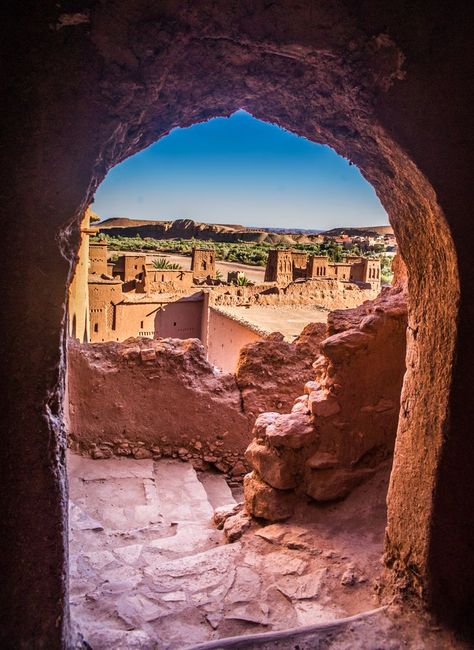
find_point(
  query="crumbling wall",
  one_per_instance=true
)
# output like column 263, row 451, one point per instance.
column 149, row 398
column 345, row 423
column 330, row 294
column 271, row 372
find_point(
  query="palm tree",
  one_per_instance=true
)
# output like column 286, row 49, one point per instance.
column 242, row 281
column 163, row 263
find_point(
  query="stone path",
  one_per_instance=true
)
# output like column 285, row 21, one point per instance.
column 149, row 570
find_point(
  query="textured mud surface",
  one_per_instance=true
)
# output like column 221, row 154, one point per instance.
column 150, row 570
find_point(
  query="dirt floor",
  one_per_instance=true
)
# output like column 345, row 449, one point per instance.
column 287, row 319
column 149, row 569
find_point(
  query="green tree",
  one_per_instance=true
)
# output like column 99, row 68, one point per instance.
column 163, row 263
column 243, row 281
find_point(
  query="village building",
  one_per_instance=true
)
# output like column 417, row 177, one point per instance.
column 115, row 297
column 285, row 266
column 203, row 263
column 279, row 267
column 78, row 296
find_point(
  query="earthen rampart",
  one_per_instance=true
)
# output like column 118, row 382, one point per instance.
column 330, row 294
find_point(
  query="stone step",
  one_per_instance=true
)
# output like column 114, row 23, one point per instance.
column 182, row 495
column 117, row 493
column 218, row 492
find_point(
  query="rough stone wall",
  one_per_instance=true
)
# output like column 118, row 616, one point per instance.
column 384, row 84
column 345, row 423
column 330, row 294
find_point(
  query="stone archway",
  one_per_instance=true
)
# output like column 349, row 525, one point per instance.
column 97, row 85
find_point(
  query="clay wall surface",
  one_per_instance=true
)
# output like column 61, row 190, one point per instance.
column 98, row 258
column 153, row 398
column 147, row 398
column 152, row 318
column 134, row 319
column 103, row 294
column 180, row 319
column 299, row 259
column 279, row 267
column 164, row 280
column 78, row 299
column 133, row 266
column 358, row 271
column 317, row 266
column 300, row 262
column 226, row 336
column 327, row 293
column 103, row 291
column 339, row 271
column 270, row 372
column 203, row 263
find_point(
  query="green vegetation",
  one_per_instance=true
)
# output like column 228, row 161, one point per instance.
column 163, row 263
column 243, row 281
column 240, row 252
column 386, row 274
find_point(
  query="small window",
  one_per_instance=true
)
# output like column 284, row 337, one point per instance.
column 96, row 327
column 174, row 324
column 141, row 324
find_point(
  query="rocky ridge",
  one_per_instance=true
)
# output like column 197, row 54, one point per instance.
column 189, row 229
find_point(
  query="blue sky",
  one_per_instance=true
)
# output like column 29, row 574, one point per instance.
column 240, row 170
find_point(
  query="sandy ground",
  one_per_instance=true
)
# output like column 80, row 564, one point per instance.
column 287, row 319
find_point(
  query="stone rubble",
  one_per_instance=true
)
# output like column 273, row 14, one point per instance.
column 344, row 424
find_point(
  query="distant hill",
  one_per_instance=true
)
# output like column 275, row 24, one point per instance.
column 188, row 229
column 367, row 231
column 231, row 233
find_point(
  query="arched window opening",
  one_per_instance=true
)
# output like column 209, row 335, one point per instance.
column 233, row 291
